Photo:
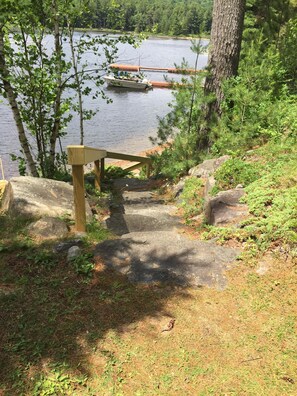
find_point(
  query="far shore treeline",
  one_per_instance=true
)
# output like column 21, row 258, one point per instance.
column 169, row 17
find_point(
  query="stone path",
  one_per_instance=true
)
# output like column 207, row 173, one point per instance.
column 151, row 246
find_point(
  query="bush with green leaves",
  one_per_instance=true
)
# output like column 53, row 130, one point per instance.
column 258, row 105
column 272, row 201
column 178, row 130
column 191, row 198
column 177, row 158
column 83, row 264
column 236, row 171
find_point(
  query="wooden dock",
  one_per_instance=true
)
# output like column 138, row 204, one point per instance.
column 168, row 84
column 134, row 68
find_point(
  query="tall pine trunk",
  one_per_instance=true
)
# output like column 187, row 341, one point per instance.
column 225, row 45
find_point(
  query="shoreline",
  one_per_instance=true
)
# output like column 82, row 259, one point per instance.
column 149, row 35
column 126, row 164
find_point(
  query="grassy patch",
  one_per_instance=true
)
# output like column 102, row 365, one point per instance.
column 236, row 171
column 63, row 335
column 191, row 198
column 271, row 198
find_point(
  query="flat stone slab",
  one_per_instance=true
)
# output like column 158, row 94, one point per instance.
column 122, row 223
column 140, row 198
column 167, row 256
column 129, row 184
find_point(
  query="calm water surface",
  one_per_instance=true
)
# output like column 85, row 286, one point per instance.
column 126, row 124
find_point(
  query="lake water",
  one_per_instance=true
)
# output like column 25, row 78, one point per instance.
column 126, row 124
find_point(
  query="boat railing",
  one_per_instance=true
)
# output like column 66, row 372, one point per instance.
column 78, row 157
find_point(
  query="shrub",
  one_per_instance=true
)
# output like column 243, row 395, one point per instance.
column 236, row 171
column 192, row 197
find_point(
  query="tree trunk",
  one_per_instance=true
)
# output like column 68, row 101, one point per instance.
column 78, row 83
column 57, row 104
column 225, row 44
column 11, row 97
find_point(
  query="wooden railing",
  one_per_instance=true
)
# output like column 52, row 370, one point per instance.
column 78, row 156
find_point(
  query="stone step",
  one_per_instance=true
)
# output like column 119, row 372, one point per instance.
column 121, row 223
column 167, row 256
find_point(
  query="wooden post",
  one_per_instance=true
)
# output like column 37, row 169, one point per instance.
column 79, row 197
column 148, row 170
column 2, row 170
column 102, row 162
column 97, row 175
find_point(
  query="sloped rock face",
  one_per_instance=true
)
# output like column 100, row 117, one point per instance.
column 208, row 167
column 37, row 197
column 225, row 208
column 48, row 228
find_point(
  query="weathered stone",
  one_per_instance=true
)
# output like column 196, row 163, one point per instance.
column 48, row 228
column 153, row 248
column 209, row 185
column 178, row 188
column 36, row 197
column 122, row 224
column 66, row 245
column 208, row 167
column 225, row 208
column 73, row 252
column 166, row 256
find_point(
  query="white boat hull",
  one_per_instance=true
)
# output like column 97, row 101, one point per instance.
column 127, row 83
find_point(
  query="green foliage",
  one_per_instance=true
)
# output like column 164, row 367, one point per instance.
column 96, row 233
column 268, row 17
column 83, row 265
column 57, row 382
column 41, row 257
column 288, row 45
column 156, row 16
column 180, row 127
column 272, row 201
column 116, row 172
column 192, row 197
column 21, row 164
column 176, row 159
column 236, row 171
column 257, row 106
column 35, row 76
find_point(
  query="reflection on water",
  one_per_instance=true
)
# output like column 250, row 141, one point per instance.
column 126, row 124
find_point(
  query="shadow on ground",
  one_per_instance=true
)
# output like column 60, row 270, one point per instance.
column 49, row 314
column 152, row 245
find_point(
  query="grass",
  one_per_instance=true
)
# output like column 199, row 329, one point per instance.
column 63, row 332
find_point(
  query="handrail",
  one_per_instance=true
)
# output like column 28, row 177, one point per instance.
column 78, row 156
column 127, row 157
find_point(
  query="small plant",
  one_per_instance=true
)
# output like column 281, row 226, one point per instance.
column 57, row 382
column 236, row 171
column 116, row 172
column 95, row 232
column 42, row 258
column 83, row 265
column 191, row 197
